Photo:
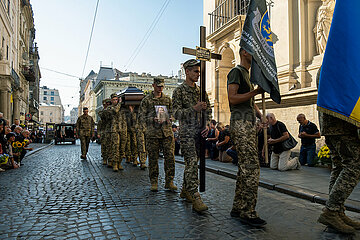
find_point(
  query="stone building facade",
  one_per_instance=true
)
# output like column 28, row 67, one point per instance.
column 297, row 30
column 110, row 80
column 73, row 115
column 51, row 113
column 51, row 108
column 19, row 70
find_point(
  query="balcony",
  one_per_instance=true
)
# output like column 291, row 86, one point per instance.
column 16, row 78
column 29, row 73
column 226, row 12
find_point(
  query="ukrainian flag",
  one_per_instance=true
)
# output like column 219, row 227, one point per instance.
column 339, row 87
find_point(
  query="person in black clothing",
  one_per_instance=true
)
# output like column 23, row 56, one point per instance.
column 280, row 158
column 308, row 132
column 177, row 139
column 16, row 124
column 211, row 140
column 223, row 143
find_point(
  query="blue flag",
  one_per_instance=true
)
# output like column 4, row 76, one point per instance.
column 257, row 39
column 339, row 87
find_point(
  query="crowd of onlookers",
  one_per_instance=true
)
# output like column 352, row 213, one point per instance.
column 220, row 147
column 14, row 143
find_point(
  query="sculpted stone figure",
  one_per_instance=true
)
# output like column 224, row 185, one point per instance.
column 322, row 28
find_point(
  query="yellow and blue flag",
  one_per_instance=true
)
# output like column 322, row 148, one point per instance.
column 339, row 87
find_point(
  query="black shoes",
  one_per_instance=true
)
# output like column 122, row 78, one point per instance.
column 254, row 222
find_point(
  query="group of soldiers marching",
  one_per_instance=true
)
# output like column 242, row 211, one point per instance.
column 121, row 134
column 141, row 132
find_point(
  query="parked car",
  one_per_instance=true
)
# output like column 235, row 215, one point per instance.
column 65, row 132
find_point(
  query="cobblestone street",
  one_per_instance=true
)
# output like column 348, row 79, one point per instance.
column 55, row 195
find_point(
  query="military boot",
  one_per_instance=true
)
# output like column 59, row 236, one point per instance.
column 349, row 221
column 109, row 164
column 154, row 186
column 170, row 185
column 198, row 204
column 115, row 167
column 333, row 219
column 128, row 160
column 143, row 166
column 135, row 162
column 186, row 195
column 104, row 161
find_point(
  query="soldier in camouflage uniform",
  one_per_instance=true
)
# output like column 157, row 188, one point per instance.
column 85, row 131
column 113, row 113
column 158, row 134
column 187, row 108
column 131, row 146
column 343, row 141
column 140, row 142
column 243, row 134
column 102, row 124
column 122, row 133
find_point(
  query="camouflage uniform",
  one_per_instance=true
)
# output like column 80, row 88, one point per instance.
column 158, row 136
column 114, row 137
column 131, row 146
column 183, row 99
column 342, row 139
column 85, row 130
column 101, row 127
column 122, row 134
column 243, row 135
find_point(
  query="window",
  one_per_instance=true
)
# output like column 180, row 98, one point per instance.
column 52, row 98
column 52, row 103
column 7, row 52
column 50, row 120
column 45, row 98
column 52, row 93
column 50, row 113
column 41, row 113
column 45, row 92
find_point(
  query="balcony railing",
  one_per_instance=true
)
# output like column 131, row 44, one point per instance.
column 16, row 78
column 226, row 11
column 29, row 74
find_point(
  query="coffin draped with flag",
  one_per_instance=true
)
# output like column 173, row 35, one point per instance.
column 339, row 87
column 256, row 39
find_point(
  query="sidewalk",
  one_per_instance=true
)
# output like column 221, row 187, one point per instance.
column 310, row 183
column 37, row 147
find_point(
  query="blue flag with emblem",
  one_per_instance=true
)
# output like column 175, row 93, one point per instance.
column 257, row 39
column 339, row 86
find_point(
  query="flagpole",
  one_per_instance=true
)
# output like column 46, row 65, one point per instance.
column 265, row 130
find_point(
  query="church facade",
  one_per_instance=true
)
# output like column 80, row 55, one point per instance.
column 300, row 29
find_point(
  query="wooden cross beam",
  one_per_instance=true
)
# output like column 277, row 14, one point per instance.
column 203, row 54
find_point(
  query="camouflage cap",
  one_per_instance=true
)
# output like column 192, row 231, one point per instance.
column 191, row 63
column 159, row 82
column 113, row 95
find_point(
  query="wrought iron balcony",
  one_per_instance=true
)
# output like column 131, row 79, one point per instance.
column 226, row 11
column 29, row 73
column 16, row 78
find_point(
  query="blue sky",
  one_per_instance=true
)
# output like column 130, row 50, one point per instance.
column 63, row 31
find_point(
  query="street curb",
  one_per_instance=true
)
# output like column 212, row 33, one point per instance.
column 38, row 149
column 298, row 192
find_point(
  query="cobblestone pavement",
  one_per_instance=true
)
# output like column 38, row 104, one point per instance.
column 58, row 196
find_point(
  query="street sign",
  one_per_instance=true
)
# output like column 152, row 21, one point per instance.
column 203, row 54
column 28, row 116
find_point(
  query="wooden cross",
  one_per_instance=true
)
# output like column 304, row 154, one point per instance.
column 203, row 54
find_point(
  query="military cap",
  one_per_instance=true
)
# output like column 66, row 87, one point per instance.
column 113, row 95
column 191, row 63
column 105, row 101
column 108, row 100
column 159, row 82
